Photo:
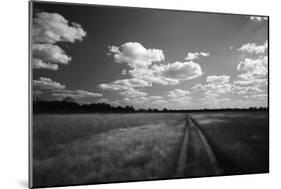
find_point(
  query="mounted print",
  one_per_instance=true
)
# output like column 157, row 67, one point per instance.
column 120, row 94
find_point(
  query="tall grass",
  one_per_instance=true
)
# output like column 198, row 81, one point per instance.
column 97, row 148
column 52, row 130
column 240, row 140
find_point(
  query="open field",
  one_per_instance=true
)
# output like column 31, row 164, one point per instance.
column 240, row 140
column 98, row 148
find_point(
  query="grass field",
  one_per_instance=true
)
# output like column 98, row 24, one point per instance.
column 240, row 140
column 98, row 148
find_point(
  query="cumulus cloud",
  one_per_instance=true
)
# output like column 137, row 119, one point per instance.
column 192, row 56
column 37, row 64
column 145, row 73
column 141, row 59
column 168, row 74
column 218, row 79
column 213, row 88
column 50, row 53
column 257, row 96
column 48, row 29
column 59, row 90
column 255, row 82
column 112, row 87
column 154, row 98
column 124, row 72
column 216, row 85
column 179, row 70
column 152, row 75
column 246, row 89
column 53, row 27
column 133, row 82
column 258, row 18
column 47, row 84
column 133, row 93
column 135, row 55
column 48, row 56
column 254, row 48
column 75, row 94
column 253, row 71
column 253, row 68
column 124, row 84
column 178, row 93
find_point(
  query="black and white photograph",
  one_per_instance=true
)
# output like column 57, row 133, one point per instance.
column 123, row 94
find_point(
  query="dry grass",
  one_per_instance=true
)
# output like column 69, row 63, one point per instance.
column 106, row 148
column 240, row 140
column 99, row 148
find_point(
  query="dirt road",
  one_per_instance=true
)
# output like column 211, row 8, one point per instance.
column 196, row 157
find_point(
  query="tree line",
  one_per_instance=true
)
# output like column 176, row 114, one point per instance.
column 70, row 106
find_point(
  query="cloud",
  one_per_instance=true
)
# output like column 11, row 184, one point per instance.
column 124, row 84
column 218, row 79
column 254, row 81
column 253, row 68
column 141, row 62
column 75, row 94
column 216, row 85
column 37, row 64
column 124, row 72
column 192, row 56
column 127, row 88
column 258, row 18
column 254, row 71
column 48, row 29
column 154, row 98
column 112, row 87
column 48, row 56
column 258, row 96
column 213, row 88
column 178, row 93
column 178, row 70
column 168, row 74
column 152, row 75
column 144, row 74
column 52, row 28
column 59, row 90
column 135, row 55
column 132, row 93
column 50, row 53
column 246, row 89
column 133, row 82
column 254, row 48
column 47, row 84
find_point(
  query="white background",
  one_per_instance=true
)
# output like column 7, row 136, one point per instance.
column 14, row 92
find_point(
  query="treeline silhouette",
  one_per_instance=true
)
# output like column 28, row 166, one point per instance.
column 70, row 106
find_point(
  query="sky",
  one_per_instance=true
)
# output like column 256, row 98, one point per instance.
column 149, row 58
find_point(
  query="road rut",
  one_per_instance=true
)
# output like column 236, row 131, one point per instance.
column 196, row 157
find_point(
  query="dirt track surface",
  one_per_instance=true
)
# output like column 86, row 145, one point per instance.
column 196, row 157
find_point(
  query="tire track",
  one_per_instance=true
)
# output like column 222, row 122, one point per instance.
column 196, row 157
column 211, row 155
column 181, row 166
